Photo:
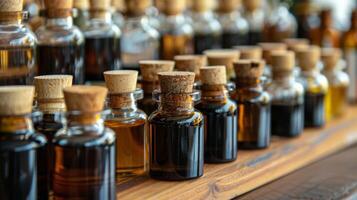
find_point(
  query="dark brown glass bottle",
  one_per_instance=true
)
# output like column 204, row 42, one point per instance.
column 253, row 12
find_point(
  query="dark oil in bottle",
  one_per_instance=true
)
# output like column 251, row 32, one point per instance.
column 147, row 104
column 287, row 120
column 62, row 59
column 204, row 42
column 172, row 45
column 230, row 40
column 101, row 54
column 314, row 109
column 255, row 37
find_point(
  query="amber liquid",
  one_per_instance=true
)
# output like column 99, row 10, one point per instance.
column 147, row 104
column 230, row 40
column 131, row 147
column 17, row 65
column 101, row 54
column 62, row 59
column 314, row 109
column 204, row 42
column 287, row 119
column 336, row 101
column 172, row 45
column 176, row 146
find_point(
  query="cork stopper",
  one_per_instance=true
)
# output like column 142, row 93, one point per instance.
column 330, row 58
column 58, row 4
column 121, row 81
column 100, row 4
column 251, row 5
column 176, row 82
column 173, row 7
column 294, row 44
column 224, row 57
column 135, row 8
column 213, row 75
column 118, row 5
column 308, row 58
column 81, row 4
column 87, row 99
column 268, row 48
column 202, row 5
column 150, row 68
column 16, row 100
column 11, row 5
column 227, row 6
column 250, row 52
column 283, row 61
column 249, row 68
column 190, row 63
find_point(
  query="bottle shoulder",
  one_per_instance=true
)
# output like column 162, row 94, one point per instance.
column 19, row 35
column 229, row 107
column 206, row 25
column 314, row 83
column 59, row 35
column 233, row 23
column 176, row 27
column 23, row 142
column 338, row 78
column 130, row 117
column 286, row 92
column 101, row 30
column 251, row 95
column 193, row 119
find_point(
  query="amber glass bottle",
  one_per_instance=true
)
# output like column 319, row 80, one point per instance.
column 191, row 63
column 224, row 57
column 287, row 109
column 81, row 16
column 253, row 105
column 220, row 115
column 84, row 151
column 176, row 130
column 254, row 14
column 60, row 44
column 315, row 85
column 18, row 144
column 338, row 82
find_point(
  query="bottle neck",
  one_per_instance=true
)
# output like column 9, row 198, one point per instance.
column 247, row 82
column 214, row 93
column 12, row 18
column 60, row 21
column 101, row 15
column 176, row 104
column 136, row 21
column 78, row 118
column 49, row 106
column 15, row 124
column 122, row 103
column 149, row 86
column 283, row 77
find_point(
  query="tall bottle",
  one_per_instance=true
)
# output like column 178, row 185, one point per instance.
column 315, row 85
column 207, row 29
column 19, row 144
column 17, row 46
column 176, row 130
column 253, row 105
column 234, row 27
column 254, row 14
column 102, row 38
column 287, row 110
column 139, row 40
column 225, row 57
column 81, row 16
column 191, row 63
column 84, row 151
column 60, row 43
column 220, row 115
column 250, row 52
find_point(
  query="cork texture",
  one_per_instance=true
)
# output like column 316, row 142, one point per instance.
column 226, row 6
column 173, row 7
column 249, row 68
column 100, row 4
column 251, row 5
column 81, row 4
column 58, row 4
column 121, row 81
column 150, row 68
column 213, row 75
column 222, row 56
column 11, row 5
column 250, row 52
column 16, row 100
column 283, row 61
column 51, row 86
column 136, row 7
column 176, row 82
column 118, row 5
column 307, row 59
column 190, row 63
column 330, row 58
column 268, row 48
column 202, row 5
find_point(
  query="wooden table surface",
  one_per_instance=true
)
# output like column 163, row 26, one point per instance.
column 252, row 168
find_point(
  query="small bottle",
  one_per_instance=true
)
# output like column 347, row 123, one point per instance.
column 50, row 102
column 250, row 52
column 220, row 116
column 17, row 45
column 191, row 63
column 81, row 16
column 150, row 81
column 19, row 144
column 234, row 27
column 287, row 107
column 306, row 17
column 207, row 29
column 60, row 47
column 253, row 105
column 84, row 151
column 315, row 86
column 139, row 40
column 176, row 31
column 325, row 35
column 225, row 57
column 254, row 14
column 176, row 130
column 102, row 38
column 119, row 8
column 338, row 83
column 128, row 123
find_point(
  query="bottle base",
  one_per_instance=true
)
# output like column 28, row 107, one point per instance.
column 251, row 146
column 173, row 176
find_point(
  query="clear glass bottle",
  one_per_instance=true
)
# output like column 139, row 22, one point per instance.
column 306, row 17
column 315, row 85
column 128, row 123
column 220, row 116
column 17, row 46
column 235, row 29
column 338, row 80
column 119, row 7
column 60, row 47
column 287, row 109
column 81, row 16
column 102, row 39
column 254, row 105
column 140, row 41
column 19, row 144
column 84, row 151
column 254, row 14
column 176, row 130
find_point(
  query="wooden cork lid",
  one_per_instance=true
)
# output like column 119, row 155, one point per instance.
column 173, row 7
column 222, row 56
column 330, row 57
column 252, row 5
column 176, row 82
column 250, row 52
column 100, row 4
column 86, row 99
column 16, row 100
column 295, row 44
column 308, row 58
column 150, row 68
column 213, row 75
column 134, row 8
column 249, row 68
column 11, row 5
column 283, row 61
column 58, row 4
column 118, row 5
column 268, row 48
column 202, row 5
column 121, row 81
column 226, row 6
column 81, row 4
column 190, row 63
column 51, row 86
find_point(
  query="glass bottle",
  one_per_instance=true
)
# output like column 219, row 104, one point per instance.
column 224, row 57
column 19, row 144
column 84, row 151
column 250, row 52
column 253, row 105
column 220, row 116
column 139, row 40
column 102, row 38
column 287, row 109
column 207, row 29
column 325, row 35
column 338, row 80
column 17, row 46
column 119, row 8
column 150, row 81
column 234, row 27
column 60, row 47
column 315, row 86
column 37, row 20
column 306, row 17
column 176, row 31
column 81, row 16
column 176, row 130
column 128, row 123
column 191, row 63
column 254, row 14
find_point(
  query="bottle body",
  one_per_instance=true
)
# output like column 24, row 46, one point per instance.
column 81, row 18
column 255, row 21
